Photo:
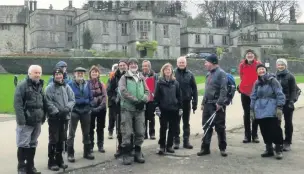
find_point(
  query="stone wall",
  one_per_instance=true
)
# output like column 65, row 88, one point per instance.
column 229, row 62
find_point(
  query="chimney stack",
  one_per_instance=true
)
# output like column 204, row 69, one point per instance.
column 31, row 6
column 70, row 3
column 35, row 5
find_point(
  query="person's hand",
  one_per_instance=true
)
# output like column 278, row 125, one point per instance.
column 180, row 112
column 291, row 105
column 95, row 109
column 279, row 113
column 157, row 111
column 218, row 107
column 194, row 106
column 238, row 89
column 140, row 105
column 252, row 115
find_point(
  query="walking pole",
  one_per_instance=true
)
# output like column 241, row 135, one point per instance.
column 210, row 124
column 64, row 143
column 212, row 116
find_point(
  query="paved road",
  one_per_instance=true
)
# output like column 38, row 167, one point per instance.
column 243, row 158
column 8, row 142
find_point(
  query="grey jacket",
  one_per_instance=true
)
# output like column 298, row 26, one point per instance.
column 216, row 87
column 58, row 96
column 29, row 103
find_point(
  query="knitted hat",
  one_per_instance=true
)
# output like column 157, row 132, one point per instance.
column 61, row 64
column 282, row 61
column 132, row 60
column 212, row 59
column 123, row 60
column 57, row 70
column 259, row 66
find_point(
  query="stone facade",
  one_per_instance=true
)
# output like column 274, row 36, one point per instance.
column 13, row 23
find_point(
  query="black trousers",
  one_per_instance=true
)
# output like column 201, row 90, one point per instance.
column 150, row 119
column 186, row 125
column 113, row 111
column 288, row 115
column 57, row 134
column 271, row 130
column 99, row 119
column 249, row 133
column 219, row 123
column 168, row 119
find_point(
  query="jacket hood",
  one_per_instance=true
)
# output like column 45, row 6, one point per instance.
column 61, row 64
column 161, row 80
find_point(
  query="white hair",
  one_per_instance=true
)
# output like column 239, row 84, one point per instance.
column 32, row 67
column 149, row 63
column 182, row 58
column 114, row 66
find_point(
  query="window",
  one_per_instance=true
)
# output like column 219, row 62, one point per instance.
column 105, row 47
column 5, row 27
column 70, row 36
column 52, row 20
column 143, row 35
column 197, row 39
column 52, row 37
column 143, row 26
column 211, row 39
column 125, row 49
column 124, row 30
column 166, row 30
column 105, row 26
column 70, row 20
column 166, row 52
column 224, row 40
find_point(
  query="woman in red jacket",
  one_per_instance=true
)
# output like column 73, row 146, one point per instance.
column 248, row 76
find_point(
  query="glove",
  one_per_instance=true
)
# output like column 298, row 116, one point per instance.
column 252, row 115
column 157, row 111
column 238, row 88
column 180, row 112
column 279, row 114
column 202, row 107
column 194, row 106
column 140, row 105
column 291, row 105
column 64, row 111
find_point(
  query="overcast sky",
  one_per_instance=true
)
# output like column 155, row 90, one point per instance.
column 60, row 4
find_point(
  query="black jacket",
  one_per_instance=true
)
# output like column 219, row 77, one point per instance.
column 187, row 84
column 29, row 103
column 112, row 86
column 168, row 95
column 288, row 83
column 216, row 87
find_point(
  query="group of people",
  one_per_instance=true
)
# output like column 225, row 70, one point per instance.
column 134, row 98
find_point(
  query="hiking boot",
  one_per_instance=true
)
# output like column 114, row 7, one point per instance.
column 52, row 165
column 71, row 157
column 268, row 152
column 126, row 156
column 224, row 153
column 286, row 147
column 110, row 135
column 255, row 140
column 138, row 157
column 152, row 137
column 176, row 146
column 118, row 152
column 246, row 140
column 161, row 151
column 187, row 145
column 87, row 152
column 30, row 161
column 170, row 150
column 60, row 161
column 205, row 150
column 21, row 160
column 279, row 152
column 101, row 149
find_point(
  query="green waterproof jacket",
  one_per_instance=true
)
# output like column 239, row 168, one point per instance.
column 132, row 90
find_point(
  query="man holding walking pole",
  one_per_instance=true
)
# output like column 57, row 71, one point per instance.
column 213, row 106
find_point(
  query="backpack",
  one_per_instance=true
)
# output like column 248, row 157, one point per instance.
column 231, row 88
column 298, row 93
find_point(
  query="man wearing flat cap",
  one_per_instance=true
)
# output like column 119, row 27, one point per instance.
column 81, row 112
column 134, row 94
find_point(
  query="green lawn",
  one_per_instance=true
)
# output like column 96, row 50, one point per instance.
column 8, row 88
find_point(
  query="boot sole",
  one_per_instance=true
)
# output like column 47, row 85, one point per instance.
column 204, row 154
